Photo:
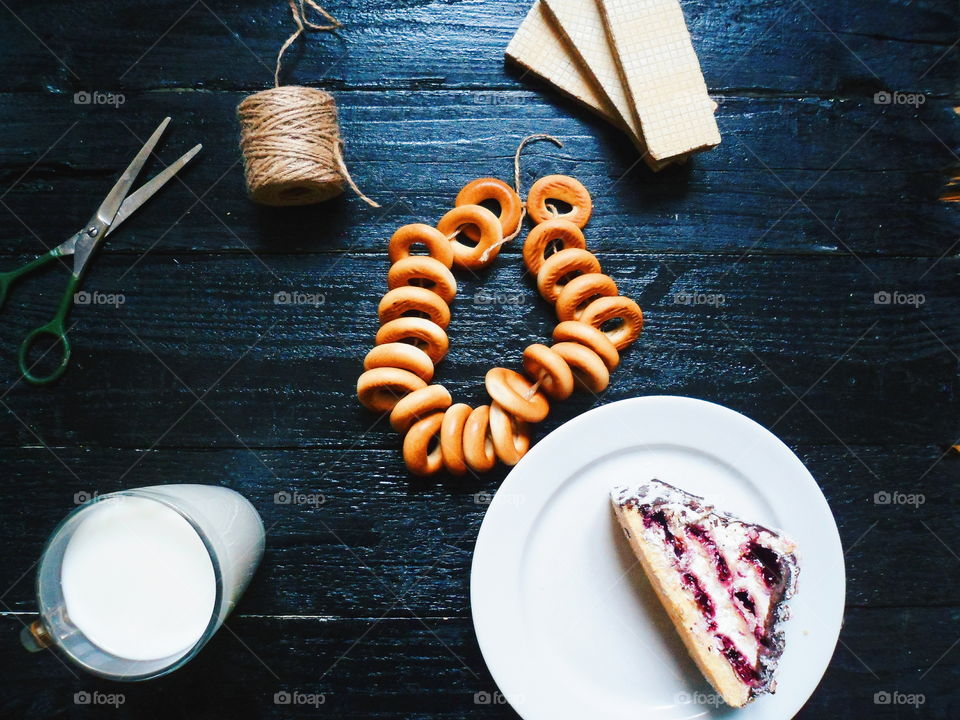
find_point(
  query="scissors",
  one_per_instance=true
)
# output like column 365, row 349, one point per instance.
column 116, row 208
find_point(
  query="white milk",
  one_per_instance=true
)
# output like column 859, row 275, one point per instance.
column 231, row 525
column 137, row 579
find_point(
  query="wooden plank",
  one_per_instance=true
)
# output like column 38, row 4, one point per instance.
column 752, row 45
column 405, row 668
column 359, row 532
column 414, row 151
column 285, row 374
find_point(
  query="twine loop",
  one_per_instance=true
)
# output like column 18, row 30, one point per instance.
column 516, row 186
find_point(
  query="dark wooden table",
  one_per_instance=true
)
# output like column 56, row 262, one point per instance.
column 818, row 199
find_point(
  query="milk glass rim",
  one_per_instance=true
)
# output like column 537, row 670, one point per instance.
column 215, row 616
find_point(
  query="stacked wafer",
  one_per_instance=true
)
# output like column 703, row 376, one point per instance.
column 632, row 62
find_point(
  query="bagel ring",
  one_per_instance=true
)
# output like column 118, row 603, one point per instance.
column 451, row 438
column 560, row 267
column 419, row 330
column 550, row 369
column 510, row 389
column 418, row 233
column 588, row 336
column 403, row 356
column 543, row 236
column 418, row 405
column 410, row 298
column 579, row 293
column 423, row 271
column 477, row 445
column 510, row 435
column 606, row 309
column 420, row 459
column 489, row 227
column 481, row 190
column 380, row 389
column 588, row 369
column 564, row 188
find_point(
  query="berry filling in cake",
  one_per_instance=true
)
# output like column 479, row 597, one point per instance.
column 722, row 580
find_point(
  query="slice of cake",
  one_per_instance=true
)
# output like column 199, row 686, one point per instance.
column 723, row 581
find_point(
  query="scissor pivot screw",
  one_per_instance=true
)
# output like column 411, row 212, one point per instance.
column 92, row 231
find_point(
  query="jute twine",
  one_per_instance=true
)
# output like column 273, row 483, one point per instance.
column 516, row 186
column 290, row 137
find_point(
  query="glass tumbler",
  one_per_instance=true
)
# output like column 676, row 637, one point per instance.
column 131, row 585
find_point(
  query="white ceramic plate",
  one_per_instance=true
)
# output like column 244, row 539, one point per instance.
column 566, row 620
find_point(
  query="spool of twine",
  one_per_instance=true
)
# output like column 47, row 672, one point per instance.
column 290, row 137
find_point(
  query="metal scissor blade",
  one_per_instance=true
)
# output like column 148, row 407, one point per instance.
column 68, row 246
column 111, row 205
column 146, row 191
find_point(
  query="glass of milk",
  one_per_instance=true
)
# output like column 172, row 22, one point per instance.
column 133, row 584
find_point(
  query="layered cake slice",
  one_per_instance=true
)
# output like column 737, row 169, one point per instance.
column 723, row 581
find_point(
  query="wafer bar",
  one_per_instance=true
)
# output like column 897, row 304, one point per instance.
column 540, row 49
column 582, row 26
column 661, row 75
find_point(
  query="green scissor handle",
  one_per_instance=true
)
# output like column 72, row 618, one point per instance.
column 56, row 328
column 7, row 278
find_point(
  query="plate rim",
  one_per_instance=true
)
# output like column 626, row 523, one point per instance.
column 518, row 702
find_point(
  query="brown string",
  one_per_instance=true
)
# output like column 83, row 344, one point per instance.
column 516, row 186
column 300, row 18
column 516, row 156
column 290, row 137
column 536, row 386
column 523, row 212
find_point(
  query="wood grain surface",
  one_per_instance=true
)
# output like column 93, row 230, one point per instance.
column 818, row 199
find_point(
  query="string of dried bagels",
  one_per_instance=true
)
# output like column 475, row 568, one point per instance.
column 596, row 324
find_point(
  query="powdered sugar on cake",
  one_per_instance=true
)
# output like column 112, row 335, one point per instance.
column 738, row 573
